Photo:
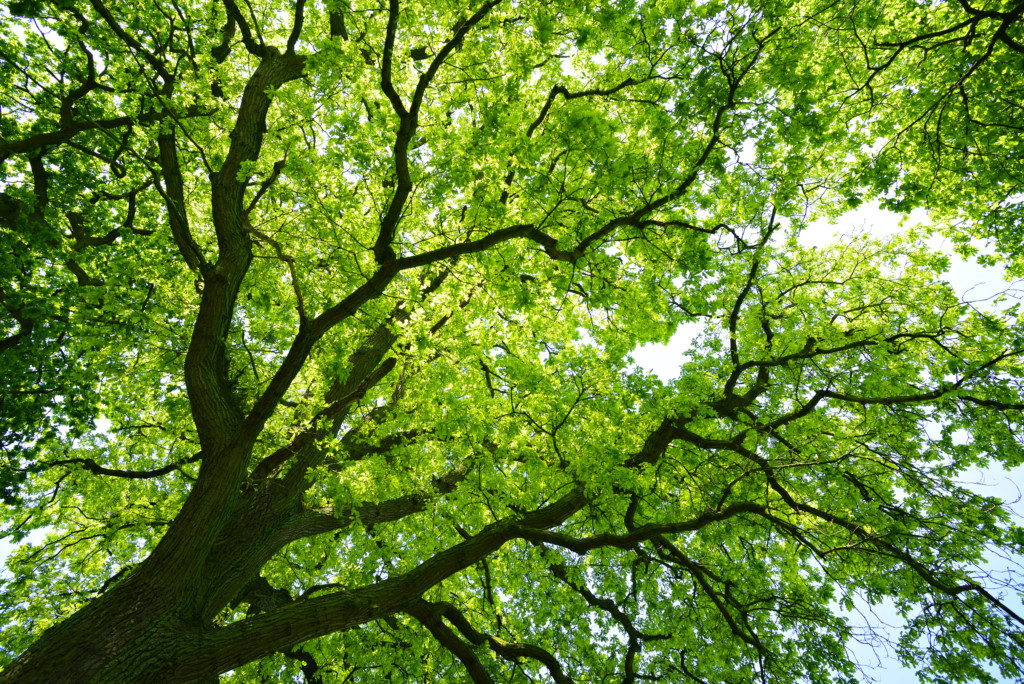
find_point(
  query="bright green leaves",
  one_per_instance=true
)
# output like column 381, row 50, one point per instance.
column 851, row 386
column 574, row 182
column 544, row 26
column 917, row 100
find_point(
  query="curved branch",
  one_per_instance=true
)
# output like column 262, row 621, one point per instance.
column 300, row 5
column 158, row 66
column 642, row 533
column 174, row 196
column 70, row 129
column 873, row 540
column 214, row 409
column 565, row 93
column 228, row 647
column 235, row 14
column 607, row 605
column 699, row 575
column 427, row 612
column 96, row 469
column 429, row 615
column 383, row 251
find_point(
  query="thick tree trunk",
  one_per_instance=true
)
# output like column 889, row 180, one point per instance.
column 135, row 619
column 151, row 620
column 145, row 630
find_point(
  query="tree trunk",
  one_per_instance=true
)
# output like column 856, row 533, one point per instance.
column 127, row 635
column 144, row 627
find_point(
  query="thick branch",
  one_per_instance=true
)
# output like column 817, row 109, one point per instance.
column 96, row 469
column 240, row 642
column 300, row 6
column 506, row 649
column 642, row 533
column 254, row 48
column 214, row 410
column 429, row 615
column 70, row 129
column 174, row 197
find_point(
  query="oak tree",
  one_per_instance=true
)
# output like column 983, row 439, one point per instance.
column 317, row 322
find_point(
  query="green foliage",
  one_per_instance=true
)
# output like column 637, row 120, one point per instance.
column 932, row 94
column 318, row 318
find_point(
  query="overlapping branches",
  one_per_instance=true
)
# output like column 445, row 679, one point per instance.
column 702, row 477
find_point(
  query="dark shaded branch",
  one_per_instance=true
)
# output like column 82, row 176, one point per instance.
column 383, row 249
column 96, row 469
column 67, row 105
column 254, row 48
column 25, row 326
column 40, row 187
column 242, row 641
column 158, row 65
column 371, row 514
column 300, row 6
column 1015, row 13
column 261, row 596
column 868, row 538
column 993, row 403
column 565, row 93
column 734, row 316
column 310, row 668
column 221, row 51
column 607, row 605
column 700, row 576
column 717, row 127
column 174, row 197
column 450, row 46
column 214, row 409
column 429, row 615
column 386, row 62
column 642, row 533
column 321, row 423
column 275, row 173
column 425, row 612
column 70, row 129
column 84, row 240
column 81, row 277
column 336, row 20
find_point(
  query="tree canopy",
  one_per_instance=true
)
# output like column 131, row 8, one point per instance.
column 317, row 322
